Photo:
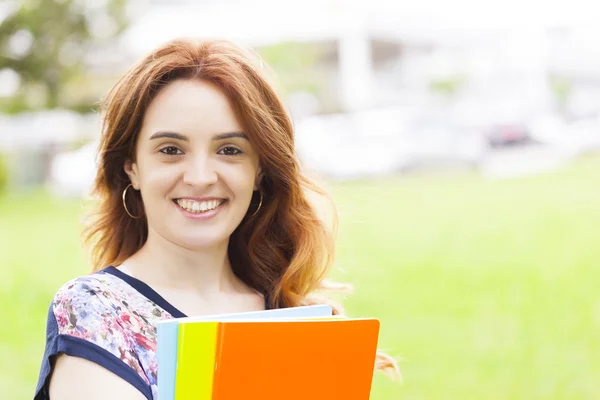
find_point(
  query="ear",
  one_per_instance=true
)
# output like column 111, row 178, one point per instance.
column 258, row 180
column 131, row 169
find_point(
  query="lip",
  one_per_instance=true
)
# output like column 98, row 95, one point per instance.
column 200, row 216
column 199, row 198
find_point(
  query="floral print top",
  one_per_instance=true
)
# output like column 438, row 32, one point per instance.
column 108, row 318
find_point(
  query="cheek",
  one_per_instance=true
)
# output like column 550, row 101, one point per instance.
column 242, row 181
column 158, row 179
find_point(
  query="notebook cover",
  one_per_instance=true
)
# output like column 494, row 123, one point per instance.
column 317, row 360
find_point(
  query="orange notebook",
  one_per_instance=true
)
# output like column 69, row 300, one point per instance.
column 277, row 359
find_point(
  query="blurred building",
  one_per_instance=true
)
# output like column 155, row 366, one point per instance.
column 500, row 67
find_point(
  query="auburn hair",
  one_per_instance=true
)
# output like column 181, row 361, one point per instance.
column 284, row 251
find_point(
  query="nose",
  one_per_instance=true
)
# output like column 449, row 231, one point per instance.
column 200, row 171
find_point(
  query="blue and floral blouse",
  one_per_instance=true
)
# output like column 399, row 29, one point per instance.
column 107, row 317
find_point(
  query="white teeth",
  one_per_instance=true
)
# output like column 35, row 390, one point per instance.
column 198, row 206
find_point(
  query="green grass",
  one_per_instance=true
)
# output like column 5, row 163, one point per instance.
column 485, row 289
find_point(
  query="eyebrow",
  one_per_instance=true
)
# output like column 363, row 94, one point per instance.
column 179, row 136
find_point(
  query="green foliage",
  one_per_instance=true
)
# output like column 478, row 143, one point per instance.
column 448, row 86
column 292, row 56
column 294, row 64
column 562, row 87
column 61, row 33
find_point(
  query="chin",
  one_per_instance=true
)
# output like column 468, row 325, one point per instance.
column 199, row 242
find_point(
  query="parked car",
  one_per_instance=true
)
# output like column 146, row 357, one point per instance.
column 441, row 142
column 506, row 134
column 571, row 136
column 378, row 142
column 351, row 146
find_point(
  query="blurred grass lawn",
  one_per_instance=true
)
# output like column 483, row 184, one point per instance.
column 485, row 289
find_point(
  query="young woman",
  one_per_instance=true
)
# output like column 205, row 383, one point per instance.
column 202, row 209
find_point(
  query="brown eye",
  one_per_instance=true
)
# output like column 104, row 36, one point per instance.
column 230, row 151
column 171, row 151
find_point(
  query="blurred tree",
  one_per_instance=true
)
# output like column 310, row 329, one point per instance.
column 448, row 86
column 43, row 45
column 3, row 174
column 294, row 64
column 562, row 87
column 302, row 67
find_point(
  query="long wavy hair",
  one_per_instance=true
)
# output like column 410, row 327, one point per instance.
column 284, row 251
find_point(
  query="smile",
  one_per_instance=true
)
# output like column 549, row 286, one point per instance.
column 199, row 207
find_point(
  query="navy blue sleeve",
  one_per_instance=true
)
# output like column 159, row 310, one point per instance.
column 77, row 347
column 41, row 390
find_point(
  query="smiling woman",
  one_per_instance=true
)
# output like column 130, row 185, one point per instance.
column 202, row 209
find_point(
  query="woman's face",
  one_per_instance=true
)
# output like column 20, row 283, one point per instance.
column 195, row 167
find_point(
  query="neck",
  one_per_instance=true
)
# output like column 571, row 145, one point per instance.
column 205, row 270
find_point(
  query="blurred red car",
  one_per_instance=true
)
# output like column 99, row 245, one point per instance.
column 506, row 134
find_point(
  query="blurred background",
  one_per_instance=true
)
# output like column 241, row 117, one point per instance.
column 460, row 140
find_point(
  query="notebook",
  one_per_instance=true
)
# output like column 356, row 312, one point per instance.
column 294, row 359
column 167, row 338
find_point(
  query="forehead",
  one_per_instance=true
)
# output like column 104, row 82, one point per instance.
column 191, row 107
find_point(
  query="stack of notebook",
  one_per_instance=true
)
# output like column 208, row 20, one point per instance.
column 290, row 353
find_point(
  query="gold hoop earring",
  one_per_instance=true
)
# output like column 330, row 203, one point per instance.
column 259, row 204
column 125, row 203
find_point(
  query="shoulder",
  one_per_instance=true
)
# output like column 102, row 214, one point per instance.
column 88, row 286
column 84, row 305
column 94, row 320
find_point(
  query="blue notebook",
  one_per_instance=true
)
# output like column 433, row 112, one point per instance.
column 167, row 335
